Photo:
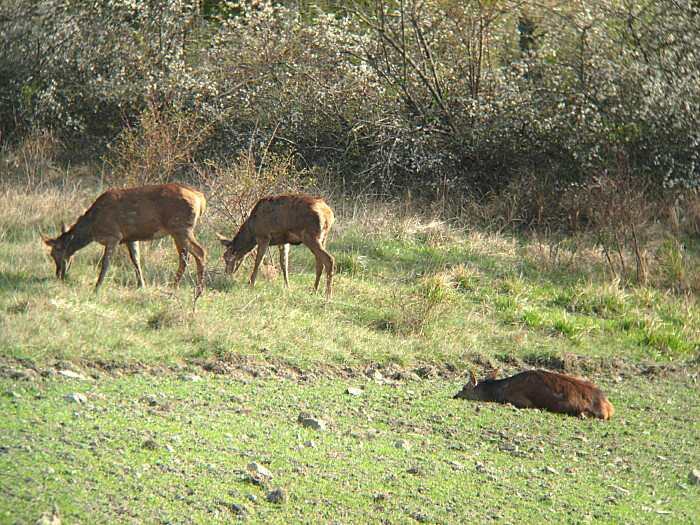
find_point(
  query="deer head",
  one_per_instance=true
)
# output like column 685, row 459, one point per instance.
column 470, row 390
column 234, row 254
column 60, row 251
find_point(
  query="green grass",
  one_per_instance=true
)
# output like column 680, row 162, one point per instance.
column 409, row 306
column 468, row 463
column 406, row 295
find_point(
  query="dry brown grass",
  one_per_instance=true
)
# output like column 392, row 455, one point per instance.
column 612, row 228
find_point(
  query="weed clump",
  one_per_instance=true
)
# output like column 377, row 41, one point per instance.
column 165, row 318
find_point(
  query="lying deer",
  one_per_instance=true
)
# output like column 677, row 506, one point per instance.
column 539, row 389
column 281, row 221
column 131, row 215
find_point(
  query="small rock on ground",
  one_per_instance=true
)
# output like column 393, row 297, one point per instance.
column 277, row 496
column 420, row 517
column 373, row 374
column 23, row 375
column 150, row 400
column 256, row 469
column 354, row 391
column 76, row 397
column 316, row 424
column 238, row 510
column 402, row 443
column 149, row 444
column 694, row 476
column 50, row 517
column 71, row 374
column 455, row 465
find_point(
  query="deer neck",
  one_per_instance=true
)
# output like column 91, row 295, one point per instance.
column 80, row 234
column 244, row 241
column 490, row 390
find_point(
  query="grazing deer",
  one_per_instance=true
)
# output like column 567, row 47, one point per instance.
column 280, row 221
column 131, row 215
column 539, row 389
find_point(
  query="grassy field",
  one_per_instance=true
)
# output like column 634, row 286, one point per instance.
column 159, row 448
column 178, row 396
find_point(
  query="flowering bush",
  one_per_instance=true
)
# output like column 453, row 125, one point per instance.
column 436, row 97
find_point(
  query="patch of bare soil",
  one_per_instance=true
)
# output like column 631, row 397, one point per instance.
column 246, row 368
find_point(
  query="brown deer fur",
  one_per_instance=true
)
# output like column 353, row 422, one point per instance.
column 279, row 221
column 131, row 215
column 540, row 389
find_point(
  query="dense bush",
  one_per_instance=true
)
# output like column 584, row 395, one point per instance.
column 525, row 100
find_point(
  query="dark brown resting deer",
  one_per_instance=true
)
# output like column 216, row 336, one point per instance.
column 280, row 221
column 131, row 215
column 539, row 389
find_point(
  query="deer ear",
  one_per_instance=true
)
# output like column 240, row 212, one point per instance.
column 64, row 228
column 223, row 239
column 472, row 379
column 47, row 240
column 492, row 375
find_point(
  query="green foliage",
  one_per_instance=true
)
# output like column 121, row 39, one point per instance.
column 351, row 263
column 402, row 295
column 148, row 445
column 412, row 298
column 606, row 301
column 673, row 264
column 520, row 100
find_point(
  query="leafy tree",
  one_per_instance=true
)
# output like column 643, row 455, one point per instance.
column 525, row 99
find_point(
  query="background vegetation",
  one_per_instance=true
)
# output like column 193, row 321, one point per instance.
column 544, row 106
column 515, row 185
column 168, row 398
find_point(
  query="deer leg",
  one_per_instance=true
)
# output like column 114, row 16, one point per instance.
column 185, row 246
column 133, row 248
column 319, row 271
column 330, row 263
column 284, row 256
column 262, row 247
column 182, row 262
column 521, row 401
column 105, row 263
column 323, row 260
column 199, row 254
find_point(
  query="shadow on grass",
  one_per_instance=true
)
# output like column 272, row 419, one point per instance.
column 18, row 280
column 222, row 283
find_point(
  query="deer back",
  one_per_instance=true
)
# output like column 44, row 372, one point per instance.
column 146, row 212
column 288, row 219
column 545, row 390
